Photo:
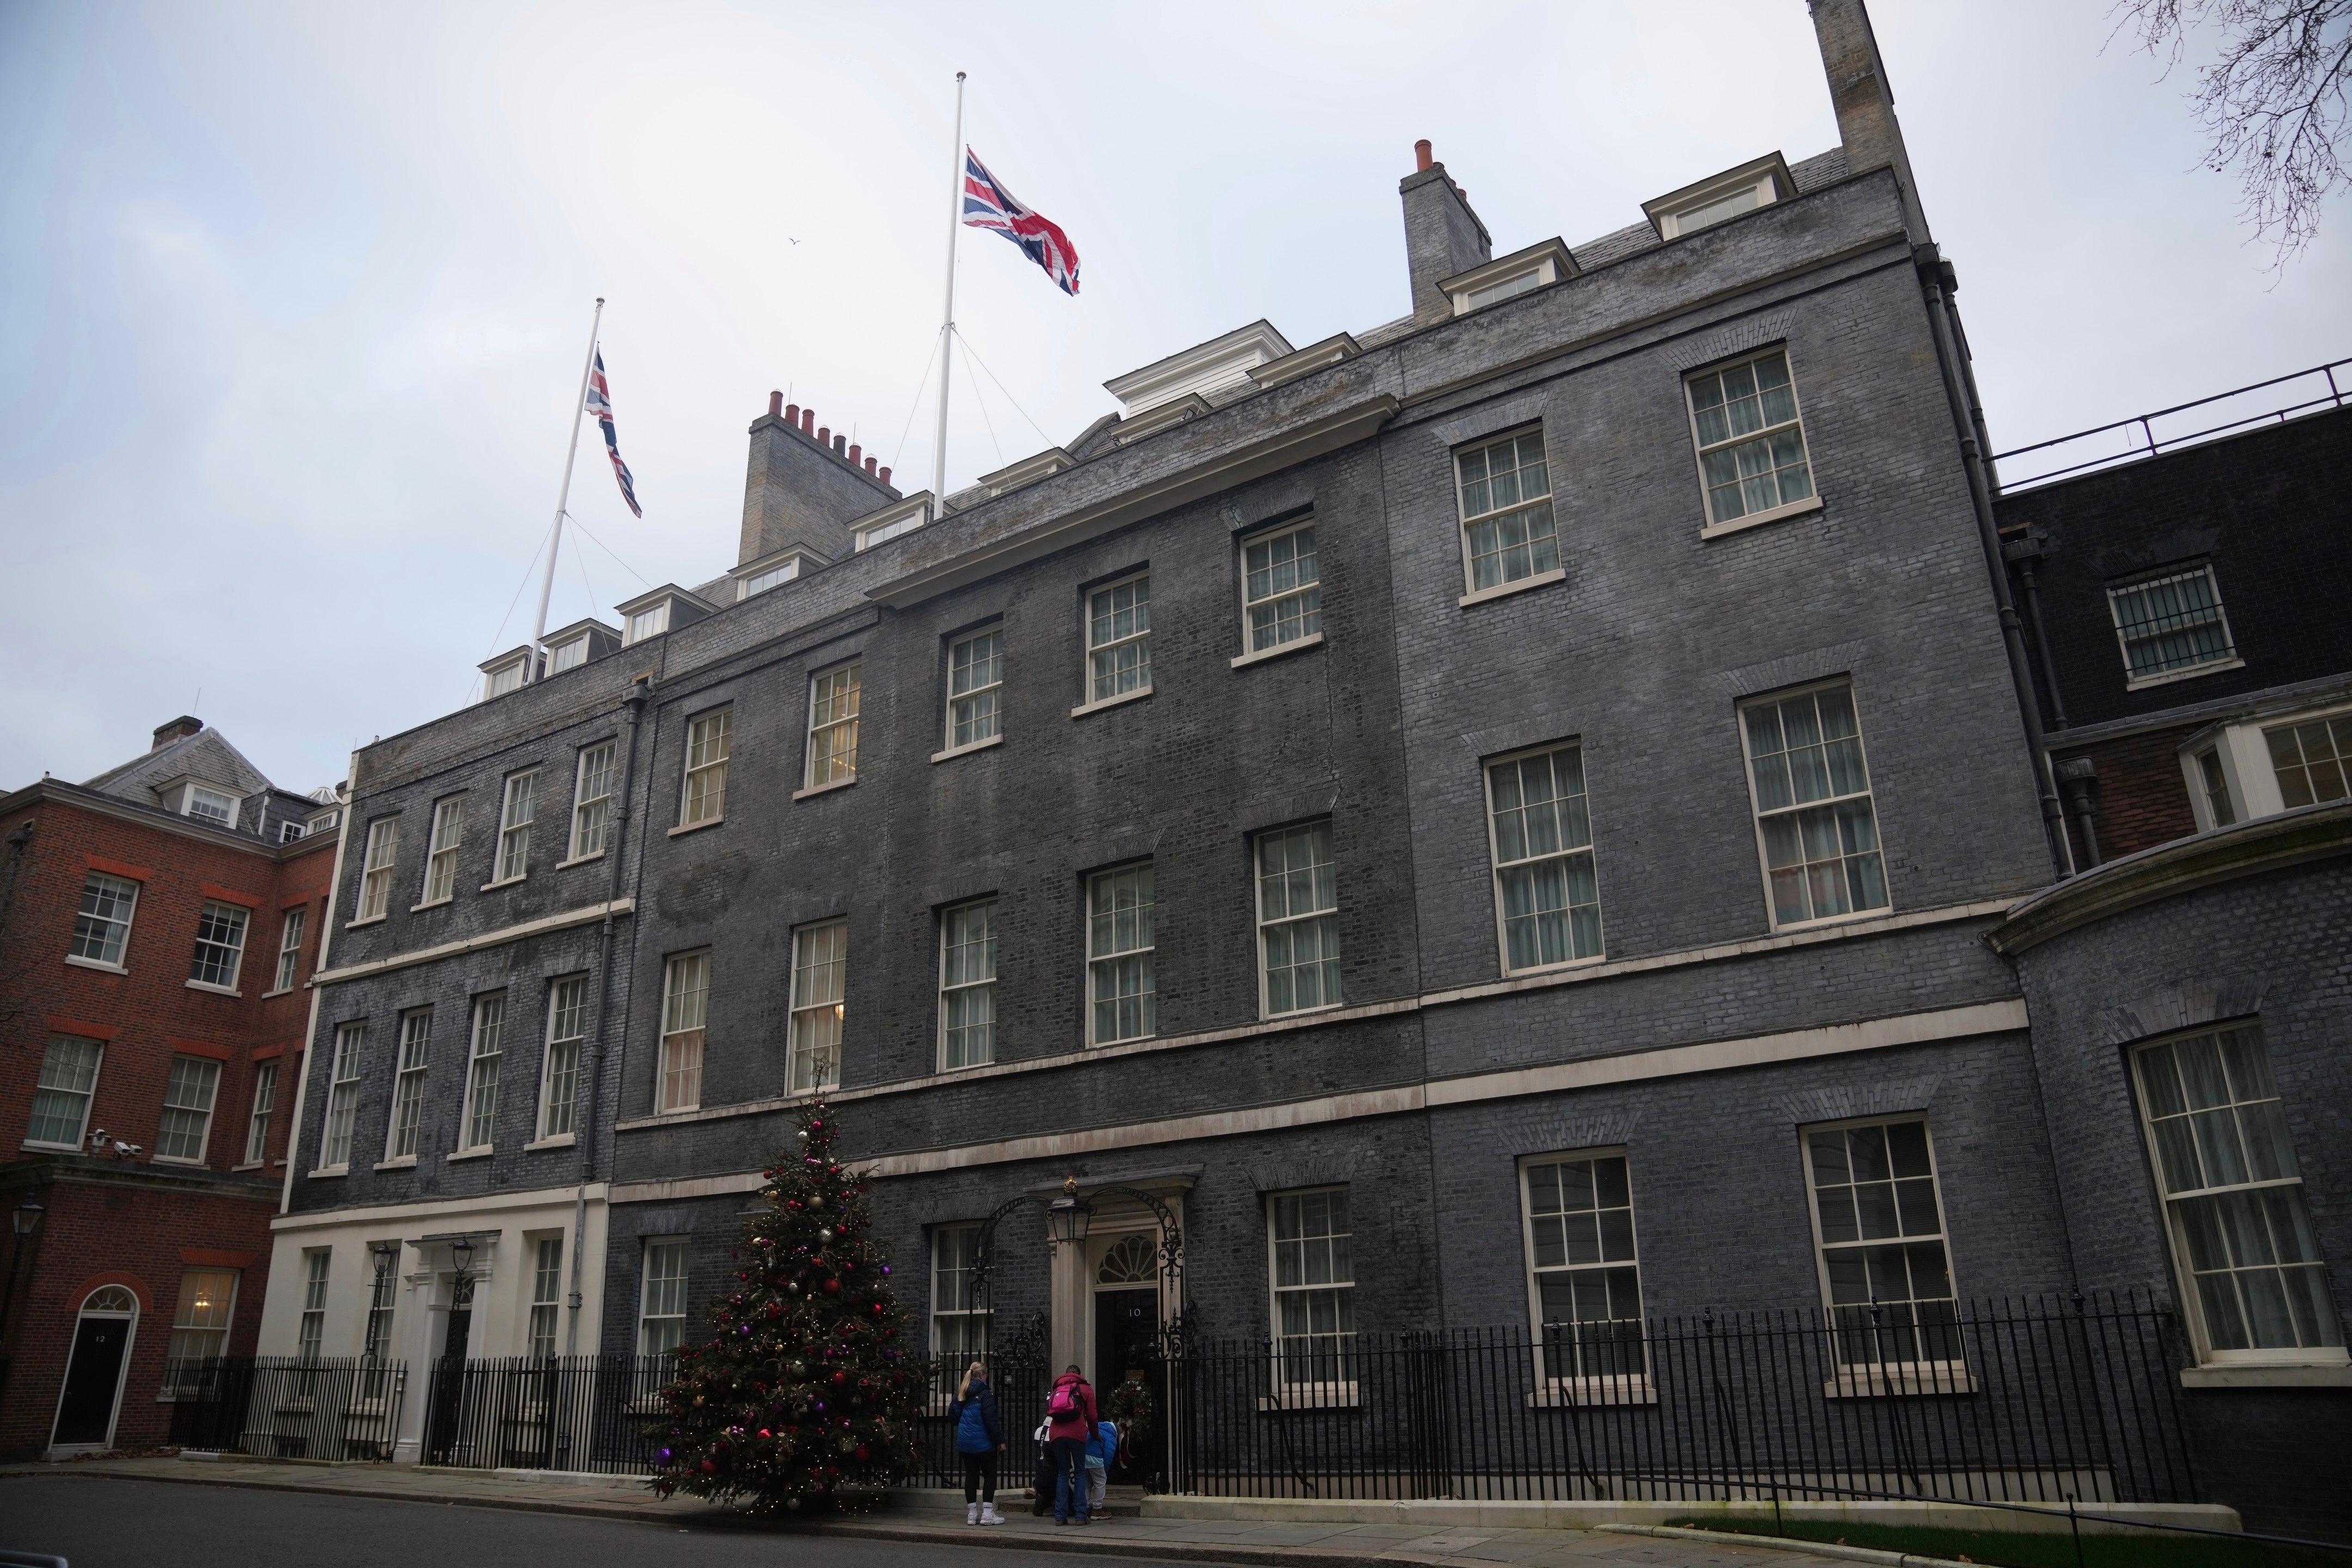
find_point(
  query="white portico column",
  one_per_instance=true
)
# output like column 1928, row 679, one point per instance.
column 1071, row 1300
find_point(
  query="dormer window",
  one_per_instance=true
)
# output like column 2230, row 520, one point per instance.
column 287, row 832
column 905, row 517
column 773, row 577
column 1521, row 272
column 321, row 822
column 211, row 804
column 567, row 655
column 1722, row 197
column 505, row 678
column 649, row 622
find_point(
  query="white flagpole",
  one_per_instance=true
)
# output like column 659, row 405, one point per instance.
column 947, row 323
column 563, row 499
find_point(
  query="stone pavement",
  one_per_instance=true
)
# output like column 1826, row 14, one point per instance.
column 1200, row 1541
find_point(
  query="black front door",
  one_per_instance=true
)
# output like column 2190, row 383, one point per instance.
column 92, row 1376
column 449, row 1382
column 1127, row 1323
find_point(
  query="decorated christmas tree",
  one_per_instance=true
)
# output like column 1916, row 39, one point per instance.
column 806, row 1383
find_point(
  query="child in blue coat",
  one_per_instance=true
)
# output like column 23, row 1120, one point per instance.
column 1101, row 1449
column 980, row 1437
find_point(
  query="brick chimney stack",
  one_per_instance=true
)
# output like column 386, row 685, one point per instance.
column 1442, row 235
column 1865, row 103
column 803, row 485
column 184, row 725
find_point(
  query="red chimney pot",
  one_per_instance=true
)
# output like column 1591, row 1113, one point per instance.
column 808, row 420
column 825, row 435
column 792, row 414
column 869, row 464
column 885, row 476
column 1421, row 154
column 838, row 443
column 854, row 453
column 775, row 404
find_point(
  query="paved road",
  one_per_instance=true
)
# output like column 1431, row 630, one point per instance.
column 101, row 1523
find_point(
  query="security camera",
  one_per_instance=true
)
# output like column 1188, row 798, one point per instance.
column 127, row 1150
column 98, row 1137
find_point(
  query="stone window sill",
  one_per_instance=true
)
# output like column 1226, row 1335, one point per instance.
column 2314, row 1372
column 505, row 882
column 50, row 1148
column 404, row 1163
column 282, row 990
column 583, row 860
column 433, row 903
column 216, row 990
column 1900, row 1379
column 1505, row 590
column 696, row 826
column 1296, row 645
column 248, row 1165
column 484, row 1152
column 1083, row 708
column 560, row 1141
column 2142, row 682
column 1567, row 1392
column 98, row 964
column 825, row 788
column 1758, row 518
column 365, row 921
column 325, row 1171
column 180, row 1160
column 995, row 739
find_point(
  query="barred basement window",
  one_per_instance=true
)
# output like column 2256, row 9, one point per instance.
column 289, row 951
column 1314, row 1288
column 967, row 985
column 661, row 1308
column 1299, row 934
column 2313, row 759
column 441, row 849
column 1504, row 489
column 1118, row 639
column 408, row 1085
column 1751, row 440
column 820, row 958
column 567, row 1031
column 343, row 1097
column 265, row 1101
column 975, row 690
column 686, row 999
column 591, row 796
column 187, row 1124
column 2171, row 624
column 2234, row 1208
column 708, row 740
column 61, row 1096
column 375, row 877
column 1120, row 941
column 313, row 1333
column 102, row 930
column 1585, row 1275
column 220, row 944
column 1546, row 895
column 1282, row 587
column 514, row 825
column 1814, row 823
column 546, row 1295
column 480, row 1118
column 1880, row 1226
column 832, row 726
column 959, row 1327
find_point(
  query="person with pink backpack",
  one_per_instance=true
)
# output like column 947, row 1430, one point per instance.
column 1071, row 1420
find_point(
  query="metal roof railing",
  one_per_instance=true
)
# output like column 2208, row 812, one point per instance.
column 2130, row 440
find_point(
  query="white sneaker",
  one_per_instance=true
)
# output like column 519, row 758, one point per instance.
column 988, row 1514
column 972, row 1513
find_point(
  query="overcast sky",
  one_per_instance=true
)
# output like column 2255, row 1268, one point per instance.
column 296, row 297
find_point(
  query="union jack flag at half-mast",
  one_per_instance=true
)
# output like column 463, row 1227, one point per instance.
column 988, row 205
column 600, row 404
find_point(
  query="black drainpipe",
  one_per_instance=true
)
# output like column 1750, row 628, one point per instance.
column 616, row 840
column 2021, row 673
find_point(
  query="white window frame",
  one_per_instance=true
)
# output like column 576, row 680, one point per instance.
column 1757, row 812
column 592, row 814
column 289, row 947
column 1540, row 549
column 441, row 845
column 837, row 697
column 194, row 1343
column 968, row 978
column 655, row 1271
column 230, row 805
column 265, row 1103
column 287, row 832
column 867, row 538
column 343, row 1098
column 221, row 928
column 775, row 576
column 685, row 1032
column 1305, row 594
column 567, row 1042
column 404, row 1137
column 1702, row 448
column 975, row 712
column 546, row 1297
column 952, row 1250
column 190, row 1094
column 1539, row 273
column 1315, row 1376
column 1114, row 955
column 310, row 1334
column 1568, row 811
column 478, row 1121
column 646, row 624
column 376, row 868
column 2165, row 675
column 2338, row 727
column 2200, row 1143
column 503, row 678
column 1916, row 1373
column 1117, row 664
column 569, row 654
column 1289, row 919
column 102, row 935
column 709, row 744
column 813, row 1061
column 1620, row 1378
column 518, row 809
column 1762, row 185
column 80, row 1085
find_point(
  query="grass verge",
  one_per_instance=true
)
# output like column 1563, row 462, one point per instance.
column 2020, row 1549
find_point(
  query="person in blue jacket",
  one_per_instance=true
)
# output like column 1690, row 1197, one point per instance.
column 980, row 1437
column 1101, row 1449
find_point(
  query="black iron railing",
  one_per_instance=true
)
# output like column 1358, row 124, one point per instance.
column 2275, row 401
column 284, row 1407
column 546, row 1412
column 2026, row 1400
column 1019, row 1384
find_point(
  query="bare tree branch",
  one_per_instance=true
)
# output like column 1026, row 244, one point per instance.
column 2273, row 101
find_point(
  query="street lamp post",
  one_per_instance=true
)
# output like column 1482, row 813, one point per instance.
column 21, row 1219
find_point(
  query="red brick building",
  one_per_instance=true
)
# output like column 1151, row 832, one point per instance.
column 157, row 925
